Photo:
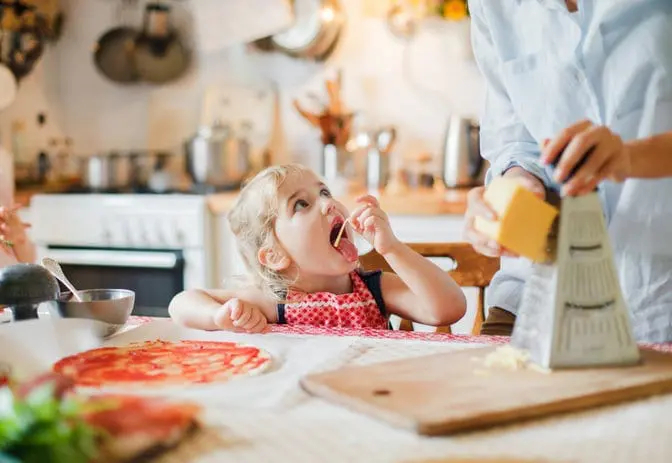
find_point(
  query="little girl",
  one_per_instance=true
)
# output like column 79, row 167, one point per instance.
column 286, row 224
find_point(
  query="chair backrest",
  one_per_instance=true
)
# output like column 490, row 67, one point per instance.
column 471, row 269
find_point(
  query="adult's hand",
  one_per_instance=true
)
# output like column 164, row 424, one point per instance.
column 609, row 159
column 477, row 206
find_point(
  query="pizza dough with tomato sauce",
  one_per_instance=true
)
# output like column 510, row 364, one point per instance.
column 163, row 363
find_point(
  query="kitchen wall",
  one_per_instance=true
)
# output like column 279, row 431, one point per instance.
column 414, row 85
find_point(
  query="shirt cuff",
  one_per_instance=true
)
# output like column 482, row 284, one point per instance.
column 532, row 166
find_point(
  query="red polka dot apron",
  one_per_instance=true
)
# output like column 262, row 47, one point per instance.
column 362, row 308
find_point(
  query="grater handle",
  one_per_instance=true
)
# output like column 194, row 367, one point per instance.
column 578, row 165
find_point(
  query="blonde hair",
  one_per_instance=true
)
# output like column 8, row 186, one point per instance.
column 252, row 221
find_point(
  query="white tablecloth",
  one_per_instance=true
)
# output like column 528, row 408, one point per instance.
column 295, row 427
column 270, row 419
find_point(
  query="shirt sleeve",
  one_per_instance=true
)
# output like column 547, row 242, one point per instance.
column 505, row 141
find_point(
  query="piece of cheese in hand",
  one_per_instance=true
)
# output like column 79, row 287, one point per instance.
column 523, row 220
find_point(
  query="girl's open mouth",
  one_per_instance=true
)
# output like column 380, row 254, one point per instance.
column 336, row 226
column 345, row 246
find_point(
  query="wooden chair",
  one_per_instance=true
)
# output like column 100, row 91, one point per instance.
column 471, row 270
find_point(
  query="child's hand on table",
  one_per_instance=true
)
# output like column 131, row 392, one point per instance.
column 238, row 315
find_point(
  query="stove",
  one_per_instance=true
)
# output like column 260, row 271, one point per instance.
column 154, row 244
column 192, row 190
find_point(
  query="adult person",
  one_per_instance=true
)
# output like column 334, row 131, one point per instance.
column 564, row 76
column 15, row 245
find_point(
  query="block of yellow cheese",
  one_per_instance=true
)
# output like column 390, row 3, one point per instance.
column 523, row 220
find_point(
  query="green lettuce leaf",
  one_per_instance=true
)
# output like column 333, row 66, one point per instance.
column 41, row 428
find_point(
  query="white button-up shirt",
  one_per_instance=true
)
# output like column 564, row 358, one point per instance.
column 547, row 68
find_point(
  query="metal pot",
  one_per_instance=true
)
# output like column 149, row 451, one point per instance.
column 105, row 172
column 214, row 158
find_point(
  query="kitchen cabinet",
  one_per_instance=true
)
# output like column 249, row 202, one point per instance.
column 408, row 228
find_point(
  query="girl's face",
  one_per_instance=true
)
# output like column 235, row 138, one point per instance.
column 308, row 222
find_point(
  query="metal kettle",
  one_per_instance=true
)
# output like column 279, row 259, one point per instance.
column 462, row 161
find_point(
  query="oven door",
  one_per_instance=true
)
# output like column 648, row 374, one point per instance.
column 155, row 275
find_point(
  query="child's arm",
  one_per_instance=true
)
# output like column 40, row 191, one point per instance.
column 420, row 291
column 216, row 309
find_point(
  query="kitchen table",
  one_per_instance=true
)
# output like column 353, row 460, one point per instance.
column 283, row 423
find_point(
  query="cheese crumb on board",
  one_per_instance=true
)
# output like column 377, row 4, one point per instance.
column 507, row 358
column 523, row 222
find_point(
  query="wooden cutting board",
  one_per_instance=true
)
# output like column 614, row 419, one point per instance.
column 453, row 392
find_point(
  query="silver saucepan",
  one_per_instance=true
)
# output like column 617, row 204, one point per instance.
column 214, row 157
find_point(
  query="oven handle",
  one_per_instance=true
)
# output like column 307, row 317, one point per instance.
column 103, row 258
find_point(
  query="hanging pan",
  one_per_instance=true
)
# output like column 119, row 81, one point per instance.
column 160, row 54
column 114, row 50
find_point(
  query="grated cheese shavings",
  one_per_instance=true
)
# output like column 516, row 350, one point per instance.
column 509, row 358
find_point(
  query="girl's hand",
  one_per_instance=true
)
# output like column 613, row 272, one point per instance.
column 372, row 223
column 610, row 159
column 238, row 315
